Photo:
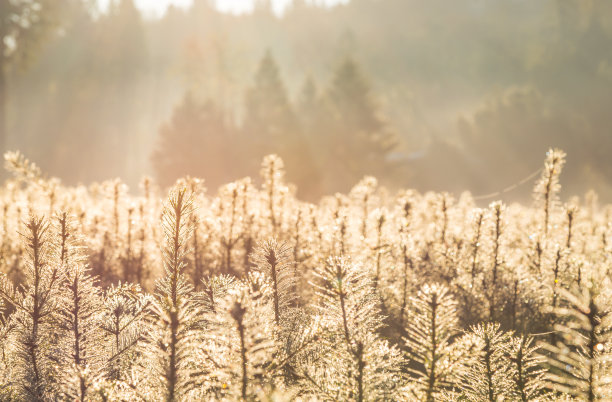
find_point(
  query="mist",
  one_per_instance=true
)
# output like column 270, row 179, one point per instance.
column 436, row 95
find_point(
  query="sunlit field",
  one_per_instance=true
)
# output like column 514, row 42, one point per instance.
column 305, row 200
column 248, row 293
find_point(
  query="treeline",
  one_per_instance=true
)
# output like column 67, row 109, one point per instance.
column 328, row 139
column 475, row 91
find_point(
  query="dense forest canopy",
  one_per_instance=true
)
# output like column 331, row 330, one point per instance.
column 445, row 95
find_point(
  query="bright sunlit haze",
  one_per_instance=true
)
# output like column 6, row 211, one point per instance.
column 360, row 200
column 156, row 8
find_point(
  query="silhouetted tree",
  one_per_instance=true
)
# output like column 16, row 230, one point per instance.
column 311, row 117
column 269, row 116
column 360, row 138
column 271, row 125
column 195, row 142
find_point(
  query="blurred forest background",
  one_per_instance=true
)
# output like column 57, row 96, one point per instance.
column 435, row 95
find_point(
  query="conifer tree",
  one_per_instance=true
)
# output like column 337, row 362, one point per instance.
column 294, row 331
column 269, row 112
column 432, row 325
column 360, row 139
column 229, row 201
column 312, row 119
column 273, row 173
column 269, row 115
column 83, row 357
column 487, row 376
column 352, row 362
column 271, row 125
column 547, row 188
column 169, row 342
column 241, row 339
column 528, row 371
column 308, row 103
column 195, row 141
column 214, row 290
column 274, row 260
column 470, row 282
column 7, row 360
column 122, row 319
column 35, row 311
column 580, row 359
column 493, row 281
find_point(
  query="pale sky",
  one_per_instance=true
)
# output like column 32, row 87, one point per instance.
column 157, row 7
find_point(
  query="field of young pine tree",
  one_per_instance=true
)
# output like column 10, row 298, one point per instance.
column 250, row 294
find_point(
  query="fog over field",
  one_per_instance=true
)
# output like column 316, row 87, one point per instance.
column 471, row 92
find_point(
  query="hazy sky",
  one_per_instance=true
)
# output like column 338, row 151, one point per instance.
column 157, row 7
